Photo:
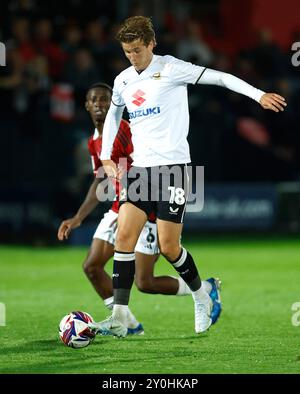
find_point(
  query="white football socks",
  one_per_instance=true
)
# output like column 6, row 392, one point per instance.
column 183, row 288
column 120, row 313
column 131, row 320
column 206, row 286
column 125, row 316
column 201, row 296
column 109, row 302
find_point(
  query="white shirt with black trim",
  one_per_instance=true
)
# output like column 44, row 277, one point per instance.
column 157, row 103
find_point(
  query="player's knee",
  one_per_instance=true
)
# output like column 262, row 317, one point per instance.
column 91, row 267
column 125, row 240
column 144, row 285
column 170, row 250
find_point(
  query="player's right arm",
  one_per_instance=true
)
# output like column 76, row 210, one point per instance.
column 110, row 130
column 89, row 204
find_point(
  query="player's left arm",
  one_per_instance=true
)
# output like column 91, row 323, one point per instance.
column 272, row 101
column 89, row 204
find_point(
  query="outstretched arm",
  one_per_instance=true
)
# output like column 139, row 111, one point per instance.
column 85, row 209
column 271, row 101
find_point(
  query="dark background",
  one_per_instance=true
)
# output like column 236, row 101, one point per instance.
column 56, row 50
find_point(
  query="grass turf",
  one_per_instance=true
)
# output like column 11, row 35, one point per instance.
column 254, row 334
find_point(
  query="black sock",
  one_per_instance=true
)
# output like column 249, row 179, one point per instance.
column 187, row 269
column 123, row 276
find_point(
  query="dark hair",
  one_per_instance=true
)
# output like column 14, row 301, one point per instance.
column 99, row 85
column 136, row 27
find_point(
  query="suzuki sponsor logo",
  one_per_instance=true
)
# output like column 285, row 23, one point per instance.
column 138, row 97
column 144, row 112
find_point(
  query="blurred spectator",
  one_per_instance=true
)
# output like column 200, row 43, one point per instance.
column 45, row 45
column 267, row 56
column 24, row 80
column 81, row 72
column 12, row 74
column 95, row 39
column 72, row 39
column 21, row 38
column 166, row 42
column 10, row 79
column 192, row 46
column 245, row 69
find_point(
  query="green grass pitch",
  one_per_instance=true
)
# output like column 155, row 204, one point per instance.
column 255, row 334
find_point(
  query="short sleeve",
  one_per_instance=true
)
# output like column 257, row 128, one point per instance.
column 96, row 163
column 184, row 72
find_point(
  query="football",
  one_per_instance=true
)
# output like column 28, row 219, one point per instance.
column 74, row 331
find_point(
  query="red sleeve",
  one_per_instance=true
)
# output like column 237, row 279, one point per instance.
column 125, row 132
column 91, row 145
column 123, row 145
column 96, row 162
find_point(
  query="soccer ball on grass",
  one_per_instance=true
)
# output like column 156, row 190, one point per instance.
column 74, row 330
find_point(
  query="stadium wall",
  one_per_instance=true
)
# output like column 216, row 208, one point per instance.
column 31, row 216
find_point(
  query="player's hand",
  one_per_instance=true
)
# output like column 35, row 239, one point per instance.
column 66, row 227
column 111, row 169
column 273, row 101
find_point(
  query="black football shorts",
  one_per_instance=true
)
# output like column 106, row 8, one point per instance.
column 162, row 190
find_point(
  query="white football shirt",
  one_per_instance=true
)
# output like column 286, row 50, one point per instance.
column 157, row 103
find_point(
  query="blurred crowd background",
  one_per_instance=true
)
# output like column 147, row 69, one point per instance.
column 56, row 50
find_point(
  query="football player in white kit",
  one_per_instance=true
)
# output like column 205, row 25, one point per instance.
column 102, row 248
column 154, row 91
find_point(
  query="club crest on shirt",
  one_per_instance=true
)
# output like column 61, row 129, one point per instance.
column 156, row 76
